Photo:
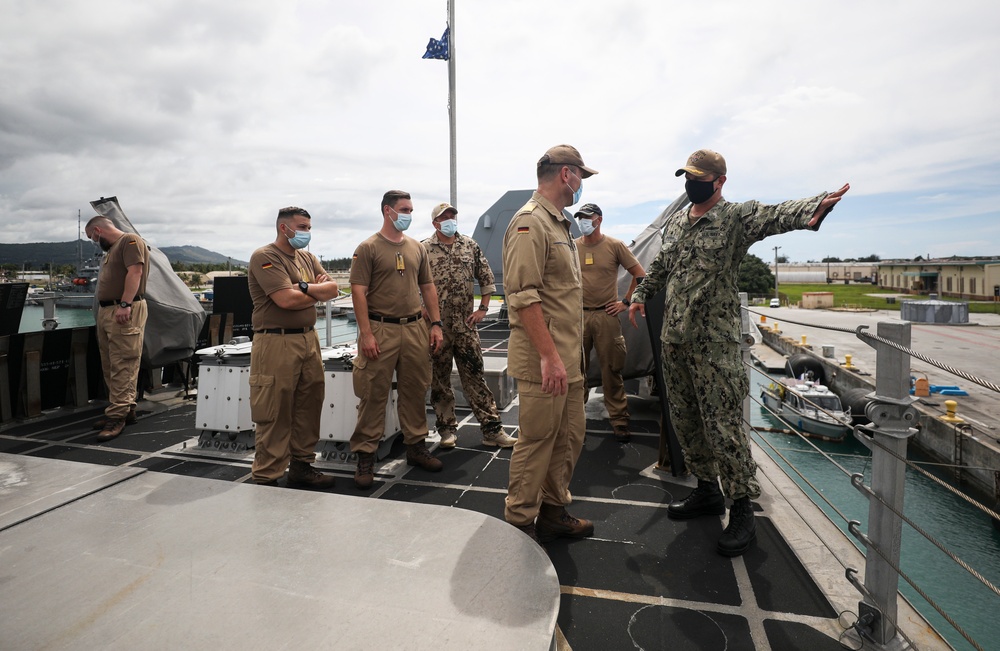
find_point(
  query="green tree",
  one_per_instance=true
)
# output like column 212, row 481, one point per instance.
column 755, row 276
column 831, row 259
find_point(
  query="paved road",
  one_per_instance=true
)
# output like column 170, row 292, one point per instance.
column 973, row 348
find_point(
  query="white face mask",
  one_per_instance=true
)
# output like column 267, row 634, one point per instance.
column 586, row 226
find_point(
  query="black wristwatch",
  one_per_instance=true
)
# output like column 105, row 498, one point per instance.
column 304, row 286
column 626, row 302
column 484, row 308
column 439, row 324
column 124, row 304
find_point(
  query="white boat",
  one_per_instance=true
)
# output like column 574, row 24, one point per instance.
column 809, row 407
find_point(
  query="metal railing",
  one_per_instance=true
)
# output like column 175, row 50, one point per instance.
column 893, row 420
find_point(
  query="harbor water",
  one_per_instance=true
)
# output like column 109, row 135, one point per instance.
column 959, row 526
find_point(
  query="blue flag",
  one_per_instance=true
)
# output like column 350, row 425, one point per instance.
column 439, row 49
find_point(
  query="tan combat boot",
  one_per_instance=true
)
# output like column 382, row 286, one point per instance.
column 365, row 474
column 417, row 455
column 303, row 475
column 555, row 521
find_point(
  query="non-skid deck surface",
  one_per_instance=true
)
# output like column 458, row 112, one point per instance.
column 643, row 580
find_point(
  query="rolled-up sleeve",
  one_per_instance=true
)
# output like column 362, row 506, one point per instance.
column 525, row 251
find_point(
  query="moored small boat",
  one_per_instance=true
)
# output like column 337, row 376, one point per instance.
column 811, row 408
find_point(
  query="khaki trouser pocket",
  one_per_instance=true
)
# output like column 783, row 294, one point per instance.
column 618, row 354
column 263, row 406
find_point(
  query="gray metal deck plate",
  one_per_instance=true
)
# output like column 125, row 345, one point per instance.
column 30, row 486
column 162, row 561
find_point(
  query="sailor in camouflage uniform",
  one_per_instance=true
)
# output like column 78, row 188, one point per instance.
column 706, row 383
column 456, row 261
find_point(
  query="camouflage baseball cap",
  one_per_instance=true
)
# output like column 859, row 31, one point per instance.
column 442, row 208
column 565, row 155
column 589, row 209
column 704, row 162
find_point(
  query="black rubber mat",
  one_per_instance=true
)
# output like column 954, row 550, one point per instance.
column 193, row 468
column 793, row 635
column 102, row 456
column 610, row 470
column 593, row 624
column 147, row 437
column 11, row 446
column 54, row 421
column 779, row 580
column 488, row 503
column 638, row 550
column 464, row 467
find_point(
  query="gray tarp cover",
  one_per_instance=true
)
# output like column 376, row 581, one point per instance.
column 175, row 316
column 639, row 360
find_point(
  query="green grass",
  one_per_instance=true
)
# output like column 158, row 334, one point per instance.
column 865, row 295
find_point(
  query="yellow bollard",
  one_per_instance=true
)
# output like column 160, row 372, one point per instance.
column 847, row 362
column 774, row 328
column 951, row 417
column 803, row 340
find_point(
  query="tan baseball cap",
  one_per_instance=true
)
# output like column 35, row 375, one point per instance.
column 565, row 155
column 704, row 162
column 442, row 208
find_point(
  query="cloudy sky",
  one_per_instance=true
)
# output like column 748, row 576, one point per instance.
column 205, row 116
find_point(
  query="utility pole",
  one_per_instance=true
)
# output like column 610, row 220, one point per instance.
column 776, row 271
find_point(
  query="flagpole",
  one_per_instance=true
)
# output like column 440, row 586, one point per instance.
column 451, row 103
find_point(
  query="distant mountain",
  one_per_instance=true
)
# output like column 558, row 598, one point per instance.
column 38, row 254
column 196, row 255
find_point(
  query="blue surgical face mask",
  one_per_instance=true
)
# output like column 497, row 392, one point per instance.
column 586, row 226
column 576, row 193
column 402, row 220
column 449, row 227
column 300, row 240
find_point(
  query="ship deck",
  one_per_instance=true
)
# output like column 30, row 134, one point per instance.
column 149, row 541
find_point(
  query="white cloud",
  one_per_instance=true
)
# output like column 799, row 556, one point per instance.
column 205, row 117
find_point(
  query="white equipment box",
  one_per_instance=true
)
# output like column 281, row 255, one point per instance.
column 340, row 412
column 224, row 400
column 224, row 389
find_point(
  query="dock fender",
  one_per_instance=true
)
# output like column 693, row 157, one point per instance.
column 801, row 363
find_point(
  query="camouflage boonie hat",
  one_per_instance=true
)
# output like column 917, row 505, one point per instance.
column 704, row 162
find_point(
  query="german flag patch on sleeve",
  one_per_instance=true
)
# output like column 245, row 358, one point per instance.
column 523, row 229
column 266, row 265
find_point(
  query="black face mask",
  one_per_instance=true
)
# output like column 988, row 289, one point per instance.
column 699, row 191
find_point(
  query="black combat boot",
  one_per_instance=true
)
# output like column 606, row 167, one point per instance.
column 741, row 531
column 705, row 499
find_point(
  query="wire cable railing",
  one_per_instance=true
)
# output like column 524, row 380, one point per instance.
column 857, row 480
